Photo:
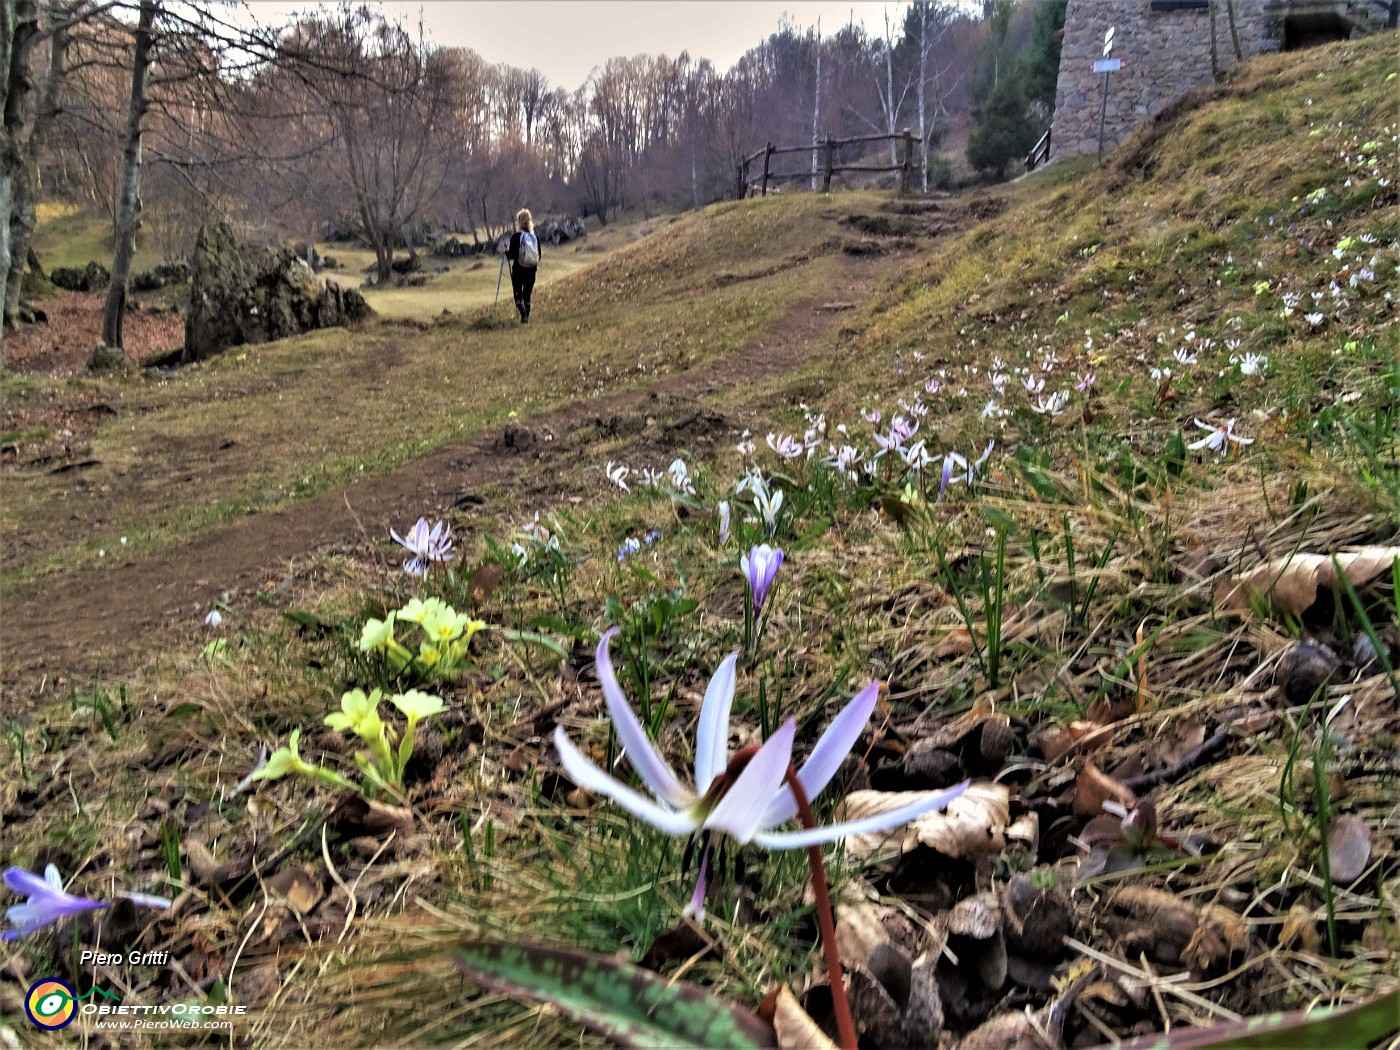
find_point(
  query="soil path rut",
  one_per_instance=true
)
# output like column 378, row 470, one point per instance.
column 90, row 623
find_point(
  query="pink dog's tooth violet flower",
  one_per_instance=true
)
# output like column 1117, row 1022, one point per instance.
column 746, row 798
column 427, row 545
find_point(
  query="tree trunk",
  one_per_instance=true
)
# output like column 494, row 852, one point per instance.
column 1214, row 46
column 816, row 105
column 24, row 202
column 19, row 23
column 129, row 206
column 923, row 78
column 1234, row 30
column 889, row 95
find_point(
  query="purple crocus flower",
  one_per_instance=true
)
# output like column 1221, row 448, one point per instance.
column 47, row 902
column 723, row 511
column 747, row 806
column 426, row 544
column 760, row 566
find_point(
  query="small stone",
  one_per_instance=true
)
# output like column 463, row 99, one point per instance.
column 1305, row 669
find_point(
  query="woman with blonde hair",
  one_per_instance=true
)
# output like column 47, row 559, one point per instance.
column 524, row 255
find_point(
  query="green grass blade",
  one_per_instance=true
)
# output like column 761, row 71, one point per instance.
column 1348, row 1028
column 629, row 1005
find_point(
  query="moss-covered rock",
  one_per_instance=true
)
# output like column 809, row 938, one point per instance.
column 244, row 293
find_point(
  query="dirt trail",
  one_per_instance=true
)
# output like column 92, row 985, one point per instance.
column 96, row 623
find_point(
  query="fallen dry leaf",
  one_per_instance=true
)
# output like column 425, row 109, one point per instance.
column 978, row 916
column 1078, row 737
column 1094, row 788
column 1349, row 848
column 795, row 1028
column 1173, row 931
column 298, row 887
column 860, row 929
column 1290, row 584
column 972, row 825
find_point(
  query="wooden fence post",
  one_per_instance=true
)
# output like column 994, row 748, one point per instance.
column 830, row 154
column 767, row 157
column 906, row 175
column 743, row 178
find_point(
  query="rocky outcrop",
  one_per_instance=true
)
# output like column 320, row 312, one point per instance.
column 161, row 276
column 244, row 293
column 91, row 278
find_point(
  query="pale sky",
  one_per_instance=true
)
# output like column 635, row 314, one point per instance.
column 566, row 39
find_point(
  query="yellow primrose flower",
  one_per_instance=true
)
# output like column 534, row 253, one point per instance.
column 358, row 713
column 417, row 705
column 419, row 611
column 377, row 634
column 428, row 655
column 283, row 761
column 445, row 625
column 472, row 627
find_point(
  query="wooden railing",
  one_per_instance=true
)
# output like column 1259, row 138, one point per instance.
column 1039, row 153
column 749, row 178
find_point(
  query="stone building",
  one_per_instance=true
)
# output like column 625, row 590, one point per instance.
column 1165, row 48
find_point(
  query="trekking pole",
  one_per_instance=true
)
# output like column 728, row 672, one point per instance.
column 498, row 283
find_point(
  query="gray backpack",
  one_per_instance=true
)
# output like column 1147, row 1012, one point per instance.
column 529, row 255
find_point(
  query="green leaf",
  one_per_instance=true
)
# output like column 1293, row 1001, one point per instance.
column 629, row 1005
column 559, row 625
column 1348, row 1028
column 310, row 621
column 530, row 638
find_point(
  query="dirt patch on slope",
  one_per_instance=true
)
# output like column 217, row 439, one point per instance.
column 61, row 346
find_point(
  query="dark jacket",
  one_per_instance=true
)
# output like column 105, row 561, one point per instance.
column 513, row 252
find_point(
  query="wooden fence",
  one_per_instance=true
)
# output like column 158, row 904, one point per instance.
column 749, row 177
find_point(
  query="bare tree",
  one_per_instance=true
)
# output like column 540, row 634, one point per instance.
column 387, row 100
column 816, row 100
column 129, row 202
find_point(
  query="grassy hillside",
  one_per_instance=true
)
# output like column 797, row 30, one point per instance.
column 181, row 454
column 1110, row 416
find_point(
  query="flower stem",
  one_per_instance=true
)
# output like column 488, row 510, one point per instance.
column 825, row 920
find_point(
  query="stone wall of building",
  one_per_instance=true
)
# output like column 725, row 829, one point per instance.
column 1165, row 51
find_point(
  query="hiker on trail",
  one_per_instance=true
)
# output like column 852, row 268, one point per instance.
column 524, row 256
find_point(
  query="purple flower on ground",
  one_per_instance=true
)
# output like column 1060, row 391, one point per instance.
column 47, row 902
column 426, row 544
column 760, row 566
column 746, row 805
column 723, row 511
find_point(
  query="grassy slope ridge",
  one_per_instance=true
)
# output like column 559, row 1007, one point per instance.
column 1174, row 234
column 1114, row 537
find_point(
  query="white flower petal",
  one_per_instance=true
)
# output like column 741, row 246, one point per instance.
column 740, row 811
column 826, row 758
column 879, row 822
column 586, row 775
column 650, row 766
column 712, row 732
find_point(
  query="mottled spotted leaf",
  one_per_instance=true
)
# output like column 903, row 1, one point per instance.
column 629, row 1005
column 1348, row 1028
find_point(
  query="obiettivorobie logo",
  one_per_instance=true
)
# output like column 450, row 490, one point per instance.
column 52, row 1004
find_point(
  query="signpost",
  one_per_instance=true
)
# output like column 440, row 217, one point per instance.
column 1106, row 66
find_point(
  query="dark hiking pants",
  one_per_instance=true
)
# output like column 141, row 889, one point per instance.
column 522, row 283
